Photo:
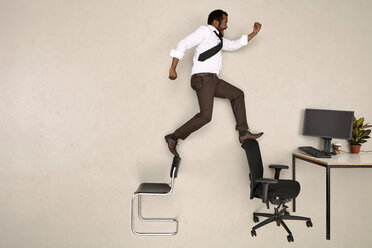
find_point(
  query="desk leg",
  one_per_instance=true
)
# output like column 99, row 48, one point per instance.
column 328, row 201
column 294, row 178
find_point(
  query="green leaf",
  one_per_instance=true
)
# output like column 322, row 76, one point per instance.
column 359, row 122
column 357, row 133
column 362, row 133
column 366, row 126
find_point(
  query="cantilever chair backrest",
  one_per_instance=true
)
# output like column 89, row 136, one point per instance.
column 174, row 169
column 175, row 166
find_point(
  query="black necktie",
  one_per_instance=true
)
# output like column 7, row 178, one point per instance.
column 211, row 52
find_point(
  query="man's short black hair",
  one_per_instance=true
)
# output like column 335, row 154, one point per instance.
column 216, row 15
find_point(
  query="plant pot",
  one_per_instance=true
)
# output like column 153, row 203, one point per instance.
column 355, row 148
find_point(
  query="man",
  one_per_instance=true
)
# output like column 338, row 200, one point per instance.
column 207, row 60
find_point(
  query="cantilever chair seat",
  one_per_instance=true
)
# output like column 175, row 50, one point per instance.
column 155, row 189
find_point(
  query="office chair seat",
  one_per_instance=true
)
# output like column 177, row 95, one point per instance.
column 287, row 189
column 153, row 188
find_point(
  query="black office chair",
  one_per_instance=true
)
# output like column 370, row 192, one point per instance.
column 277, row 191
column 155, row 189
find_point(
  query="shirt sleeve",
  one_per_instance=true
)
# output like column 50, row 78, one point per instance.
column 190, row 41
column 232, row 45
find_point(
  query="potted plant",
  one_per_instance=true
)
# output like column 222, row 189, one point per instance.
column 360, row 134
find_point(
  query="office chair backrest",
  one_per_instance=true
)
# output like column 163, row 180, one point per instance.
column 175, row 166
column 253, row 153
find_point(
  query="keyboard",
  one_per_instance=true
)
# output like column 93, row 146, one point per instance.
column 315, row 152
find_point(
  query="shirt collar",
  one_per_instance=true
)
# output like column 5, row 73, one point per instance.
column 213, row 29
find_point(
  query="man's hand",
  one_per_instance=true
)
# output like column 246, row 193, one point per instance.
column 256, row 27
column 172, row 70
column 172, row 73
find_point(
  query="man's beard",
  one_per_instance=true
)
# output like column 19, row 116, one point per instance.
column 221, row 31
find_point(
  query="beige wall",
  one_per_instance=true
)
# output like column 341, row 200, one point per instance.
column 86, row 102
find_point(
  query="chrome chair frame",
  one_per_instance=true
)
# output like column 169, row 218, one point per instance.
column 139, row 208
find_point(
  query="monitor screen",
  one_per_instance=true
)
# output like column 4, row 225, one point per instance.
column 328, row 123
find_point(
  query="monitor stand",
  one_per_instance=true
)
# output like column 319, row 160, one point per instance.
column 327, row 145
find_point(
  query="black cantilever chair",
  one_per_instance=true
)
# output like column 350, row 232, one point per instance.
column 155, row 189
column 276, row 191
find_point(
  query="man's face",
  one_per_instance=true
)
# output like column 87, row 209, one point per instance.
column 222, row 25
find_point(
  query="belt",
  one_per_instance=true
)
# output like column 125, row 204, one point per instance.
column 205, row 74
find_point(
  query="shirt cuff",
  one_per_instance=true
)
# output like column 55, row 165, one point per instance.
column 244, row 40
column 176, row 54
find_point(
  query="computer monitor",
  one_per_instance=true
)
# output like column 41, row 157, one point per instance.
column 328, row 124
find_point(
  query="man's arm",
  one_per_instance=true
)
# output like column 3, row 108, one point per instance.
column 185, row 44
column 233, row 45
column 256, row 28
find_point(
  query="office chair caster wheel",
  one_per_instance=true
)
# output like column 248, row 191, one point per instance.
column 290, row 238
column 255, row 219
column 309, row 223
column 253, row 233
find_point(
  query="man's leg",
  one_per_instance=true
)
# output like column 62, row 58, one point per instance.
column 205, row 88
column 236, row 97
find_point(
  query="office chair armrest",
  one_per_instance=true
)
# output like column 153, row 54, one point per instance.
column 265, row 187
column 278, row 168
column 266, row 180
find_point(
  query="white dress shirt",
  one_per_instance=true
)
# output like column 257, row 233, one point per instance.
column 205, row 39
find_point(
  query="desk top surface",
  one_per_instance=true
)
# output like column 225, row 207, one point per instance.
column 363, row 158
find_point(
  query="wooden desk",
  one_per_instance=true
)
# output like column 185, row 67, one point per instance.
column 344, row 160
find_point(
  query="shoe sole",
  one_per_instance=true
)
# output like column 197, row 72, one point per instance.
column 241, row 141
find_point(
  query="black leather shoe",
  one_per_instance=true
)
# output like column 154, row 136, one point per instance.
column 171, row 144
column 250, row 135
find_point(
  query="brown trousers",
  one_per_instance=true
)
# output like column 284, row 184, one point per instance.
column 208, row 86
